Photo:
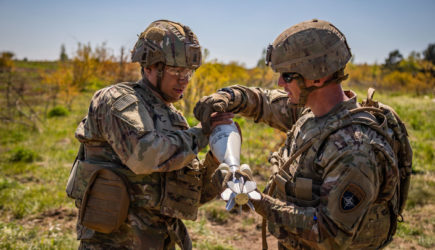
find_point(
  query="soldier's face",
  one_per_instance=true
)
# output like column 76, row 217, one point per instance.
column 292, row 89
column 175, row 81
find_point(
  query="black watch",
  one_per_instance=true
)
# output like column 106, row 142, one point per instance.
column 229, row 91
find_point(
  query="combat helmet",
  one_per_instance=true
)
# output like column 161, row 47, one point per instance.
column 168, row 43
column 314, row 49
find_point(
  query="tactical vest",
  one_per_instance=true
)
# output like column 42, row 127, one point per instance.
column 301, row 186
column 174, row 194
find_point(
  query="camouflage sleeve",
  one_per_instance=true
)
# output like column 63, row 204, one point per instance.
column 350, row 186
column 128, row 127
column 263, row 105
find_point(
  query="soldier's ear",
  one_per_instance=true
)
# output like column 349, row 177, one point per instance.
column 147, row 71
column 310, row 83
column 150, row 73
column 317, row 83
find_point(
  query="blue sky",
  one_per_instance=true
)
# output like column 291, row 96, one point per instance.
column 234, row 30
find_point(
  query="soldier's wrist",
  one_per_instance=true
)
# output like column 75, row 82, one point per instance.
column 229, row 92
column 260, row 206
column 235, row 99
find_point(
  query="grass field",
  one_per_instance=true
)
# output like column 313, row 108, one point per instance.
column 34, row 168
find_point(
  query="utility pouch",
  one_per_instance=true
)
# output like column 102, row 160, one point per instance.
column 73, row 173
column 105, row 202
column 182, row 193
column 71, row 179
column 304, row 188
column 79, row 178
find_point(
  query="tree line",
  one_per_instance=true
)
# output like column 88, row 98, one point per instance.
column 413, row 74
column 30, row 90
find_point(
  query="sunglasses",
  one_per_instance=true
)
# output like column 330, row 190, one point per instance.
column 180, row 73
column 289, row 76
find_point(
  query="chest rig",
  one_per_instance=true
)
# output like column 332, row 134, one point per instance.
column 180, row 191
column 174, row 194
column 298, row 177
column 299, row 181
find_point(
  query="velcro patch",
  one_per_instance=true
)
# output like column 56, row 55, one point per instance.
column 351, row 198
column 124, row 102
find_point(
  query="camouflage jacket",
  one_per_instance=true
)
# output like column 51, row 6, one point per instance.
column 263, row 105
column 335, row 195
column 152, row 145
column 145, row 134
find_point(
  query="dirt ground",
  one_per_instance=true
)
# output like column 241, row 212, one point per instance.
column 235, row 232
column 240, row 231
column 241, row 235
column 61, row 218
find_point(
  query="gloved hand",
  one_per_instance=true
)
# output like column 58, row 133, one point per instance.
column 209, row 189
column 261, row 206
column 222, row 175
column 216, row 102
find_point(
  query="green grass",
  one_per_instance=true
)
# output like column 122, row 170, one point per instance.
column 17, row 236
column 34, row 168
column 418, row 114
column 212, row 246
column 217, row 214
column 57, row 111
column 421, row 192
column 36, row 65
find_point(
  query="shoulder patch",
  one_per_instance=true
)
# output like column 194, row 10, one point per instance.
column 124, row 102
column 351, row 198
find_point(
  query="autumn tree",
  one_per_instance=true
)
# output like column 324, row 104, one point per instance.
column 209, row 78
column 261, row 63
column 429, row 53
column 63, row 56
column 393, row 60
column 60, row 85
column 6, row 68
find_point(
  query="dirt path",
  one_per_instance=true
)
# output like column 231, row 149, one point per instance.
column 239, row 231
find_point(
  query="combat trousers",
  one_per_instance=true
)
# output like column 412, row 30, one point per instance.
column 142, row 230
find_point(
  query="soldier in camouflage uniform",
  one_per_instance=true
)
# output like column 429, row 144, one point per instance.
column 134, row 130
column 334, row 182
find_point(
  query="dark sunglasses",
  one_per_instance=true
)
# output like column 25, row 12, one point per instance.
column 289, row 76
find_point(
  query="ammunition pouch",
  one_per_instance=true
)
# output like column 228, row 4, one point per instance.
column 380, row 217
column 105, row 202
column 71, row 184
column 79, row 178
column 182, row 192
column 300, row 191
column 174, row 194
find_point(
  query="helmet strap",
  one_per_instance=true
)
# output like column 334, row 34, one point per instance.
column 158, row 87
column 160, row 69
column 305, row 91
